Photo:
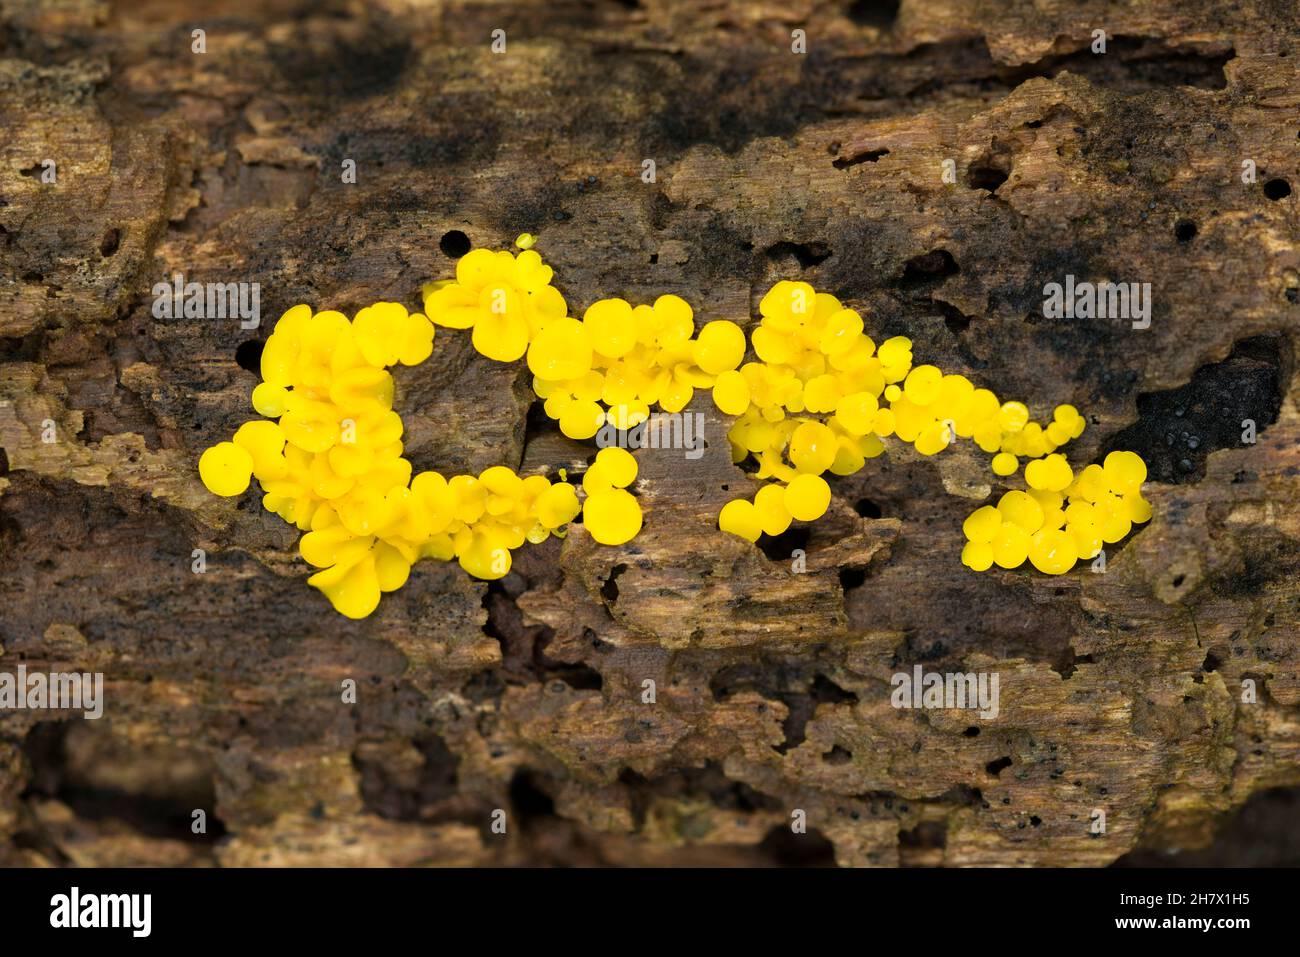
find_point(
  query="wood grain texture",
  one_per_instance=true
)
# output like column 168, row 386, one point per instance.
column 1119, row 691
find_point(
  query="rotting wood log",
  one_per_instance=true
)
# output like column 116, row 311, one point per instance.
column 1121, row 692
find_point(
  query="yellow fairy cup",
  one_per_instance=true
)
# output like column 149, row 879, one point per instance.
column 1068, row 517
column 807, row 497
column 611, row 515
column 505, row 299
column 823, row 397
column 818, row 396
column 741, row 517
column 333, row 463
column 226, row 469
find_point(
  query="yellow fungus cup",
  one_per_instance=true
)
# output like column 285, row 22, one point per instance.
column 740, row 517
column 226, row 469
column 333, row 462
column 611, row 516
column 807, row 497
column 820, row 397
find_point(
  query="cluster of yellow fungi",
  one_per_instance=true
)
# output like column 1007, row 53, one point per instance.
column 333, row 465
column 1062, row 518
column 819, row 397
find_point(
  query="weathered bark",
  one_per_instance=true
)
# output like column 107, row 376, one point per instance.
column 1119, row 691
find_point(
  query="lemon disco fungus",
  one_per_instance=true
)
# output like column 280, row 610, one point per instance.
column 333, row 464
column 226, row 469
column 823, row 397
column 819, row 396
column 1099, row 506
column 505, row 299
column 621, row 360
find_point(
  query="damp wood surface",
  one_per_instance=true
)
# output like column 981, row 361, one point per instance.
column 1120, row 692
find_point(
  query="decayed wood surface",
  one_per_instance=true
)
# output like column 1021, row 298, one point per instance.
column 1119, row 691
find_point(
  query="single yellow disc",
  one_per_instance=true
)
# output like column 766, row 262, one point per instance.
column 1004, row 463
column 982, row 524
column 773, row 516
column 558, row 505
column 807, row 497
column 1022, row 509
column 561, row 351
column 1053, row 552
column 719, row 347
column 1010, row 545
column 611, row 516
column 977, row 556
column 618, row 465
column 731, row 393
column 226, row 469
column 740, row 517
column 812, row 448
